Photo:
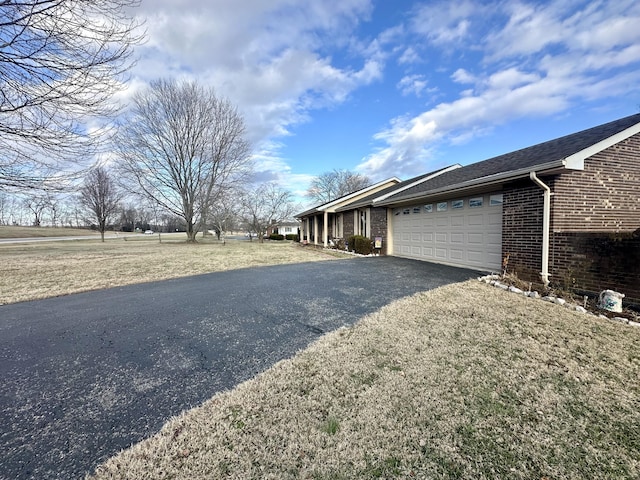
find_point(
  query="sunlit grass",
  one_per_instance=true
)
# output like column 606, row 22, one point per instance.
column 466, row 381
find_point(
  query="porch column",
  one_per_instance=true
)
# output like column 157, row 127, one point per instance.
column 315, row 229
column 325, row 232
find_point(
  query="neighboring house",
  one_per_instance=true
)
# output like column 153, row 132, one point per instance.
column 566, row 211
column 322, row 225
column 285, row 228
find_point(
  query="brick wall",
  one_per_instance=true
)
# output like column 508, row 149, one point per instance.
column 596, row 261
column 595, row 214
column 347, row 224
column 522, row 229
column 605, row 196
column 379, row 226
column 595, row 222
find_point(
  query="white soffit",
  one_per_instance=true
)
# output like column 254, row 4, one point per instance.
column 357, row 193
column 576, row 161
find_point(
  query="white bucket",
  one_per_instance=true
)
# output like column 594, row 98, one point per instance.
column 610, row 300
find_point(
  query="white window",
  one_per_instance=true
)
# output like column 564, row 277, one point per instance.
column 475, row 202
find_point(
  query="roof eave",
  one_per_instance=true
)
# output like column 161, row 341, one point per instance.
column 488, row 181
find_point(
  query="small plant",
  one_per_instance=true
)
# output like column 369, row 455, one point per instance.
column 359, row 244
column 331, row 426
column 276, row 236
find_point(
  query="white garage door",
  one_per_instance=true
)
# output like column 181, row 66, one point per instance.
column 464, row 232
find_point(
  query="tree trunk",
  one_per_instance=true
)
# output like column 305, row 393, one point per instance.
column 191, row 233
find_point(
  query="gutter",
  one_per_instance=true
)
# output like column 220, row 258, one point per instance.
column 546, row 220
column 496, row 178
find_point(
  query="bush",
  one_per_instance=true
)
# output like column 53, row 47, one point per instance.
column 276, row 236
column 292, row 236
column 359, row 244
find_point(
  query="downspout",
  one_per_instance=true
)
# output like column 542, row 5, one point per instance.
column 546, row 220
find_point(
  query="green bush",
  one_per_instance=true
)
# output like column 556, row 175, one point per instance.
column 292, row 236
column 276, row 236
column 359, row 244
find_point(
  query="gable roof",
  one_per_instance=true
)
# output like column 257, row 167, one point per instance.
column 395, row 189
column 345, row 198
column 567, row 152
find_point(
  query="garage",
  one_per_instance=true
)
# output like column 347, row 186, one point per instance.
column 465, row 232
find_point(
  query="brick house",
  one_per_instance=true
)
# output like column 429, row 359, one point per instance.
column 564, row 212
column 323, row 225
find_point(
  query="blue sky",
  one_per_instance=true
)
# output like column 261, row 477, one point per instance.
column 398, row 88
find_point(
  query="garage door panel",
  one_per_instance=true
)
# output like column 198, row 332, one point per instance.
column 456, row 254
column 475, row 219
column 475, row 238
column 467, row 236
column 495, row 219
column 475, row 256
column 457, row 221
column 457, row 237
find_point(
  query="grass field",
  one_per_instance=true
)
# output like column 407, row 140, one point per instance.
column 466, row 381
column 32, row 232
column 39, row 270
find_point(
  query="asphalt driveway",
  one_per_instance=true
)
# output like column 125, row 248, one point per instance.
column 85, row 375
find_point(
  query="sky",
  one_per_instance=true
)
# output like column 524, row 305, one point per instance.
column 397, row 88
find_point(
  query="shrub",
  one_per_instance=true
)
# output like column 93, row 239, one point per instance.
column 359, row 244
column 276, row 236
column 292, row 236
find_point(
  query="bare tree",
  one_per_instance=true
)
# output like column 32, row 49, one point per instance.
column 331, row 185
column 265, row 207
column 223, row 214
column 61, row 61
column 37, row 204
column 100, row 196
column 184, row 147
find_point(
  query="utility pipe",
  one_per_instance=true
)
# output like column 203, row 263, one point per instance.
column 546, row 220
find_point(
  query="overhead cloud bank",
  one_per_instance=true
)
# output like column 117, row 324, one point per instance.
column 437, row 73
column 524, row 59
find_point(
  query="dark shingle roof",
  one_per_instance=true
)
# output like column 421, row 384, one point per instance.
column 527, row 158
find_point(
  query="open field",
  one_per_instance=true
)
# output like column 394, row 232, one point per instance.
column 29, row 232
column 34, row 271
column 466, row 381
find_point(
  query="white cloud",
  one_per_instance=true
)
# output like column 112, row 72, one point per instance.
column 412, row 84
column 409, row 56
column 462, row 76
column 539, row 60
column 268, row 58
column 445, row 22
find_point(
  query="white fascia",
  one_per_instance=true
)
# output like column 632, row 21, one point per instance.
column 576, row 161
column 357, row 193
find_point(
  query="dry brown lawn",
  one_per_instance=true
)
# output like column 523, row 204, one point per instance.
column 38, row 270
column 466, row 381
